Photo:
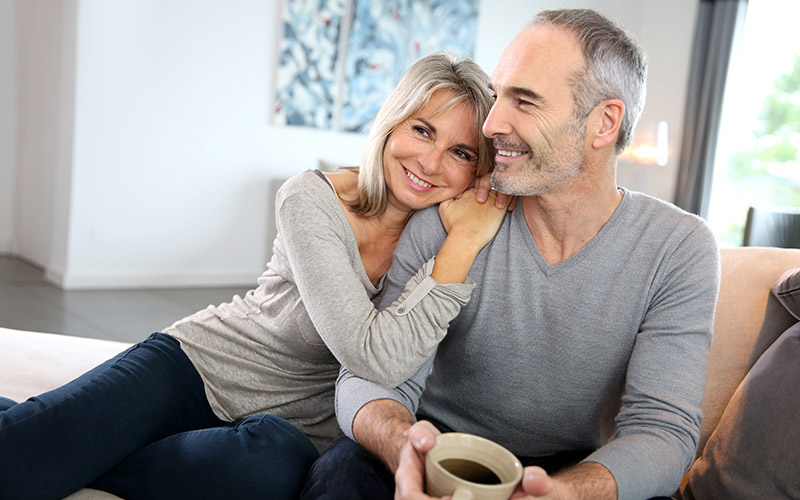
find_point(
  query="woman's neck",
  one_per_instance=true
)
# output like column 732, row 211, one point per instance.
column 376, row 236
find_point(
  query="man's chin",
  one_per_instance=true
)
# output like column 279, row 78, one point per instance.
column 507, row 184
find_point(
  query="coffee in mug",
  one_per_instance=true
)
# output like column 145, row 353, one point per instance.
column 470, row 467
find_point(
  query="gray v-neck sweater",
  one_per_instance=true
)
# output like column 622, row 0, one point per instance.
column 606, row 350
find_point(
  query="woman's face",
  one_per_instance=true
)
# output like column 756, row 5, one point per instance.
column 431, row 158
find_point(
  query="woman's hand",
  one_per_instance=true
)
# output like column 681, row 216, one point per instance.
column 484, row 185
column 475, row 223
column 470, row 226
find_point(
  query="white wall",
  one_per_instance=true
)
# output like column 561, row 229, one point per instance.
column 8, row 118
column 43, row 31
column 158, row 153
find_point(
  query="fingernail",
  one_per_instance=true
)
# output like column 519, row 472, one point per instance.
column 534, row 472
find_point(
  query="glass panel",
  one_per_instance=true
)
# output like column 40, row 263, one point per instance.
column 757, row 154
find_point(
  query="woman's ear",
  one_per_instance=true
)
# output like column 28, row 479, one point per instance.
column 609, row 119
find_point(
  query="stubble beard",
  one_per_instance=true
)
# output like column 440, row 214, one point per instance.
column 546, row 168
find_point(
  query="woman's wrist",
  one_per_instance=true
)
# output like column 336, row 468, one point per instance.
column 454, row 260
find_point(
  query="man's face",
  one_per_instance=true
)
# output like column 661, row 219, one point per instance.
column 540, row 142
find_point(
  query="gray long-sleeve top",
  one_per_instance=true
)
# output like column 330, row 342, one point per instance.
column 278, row 350
column 607, row 350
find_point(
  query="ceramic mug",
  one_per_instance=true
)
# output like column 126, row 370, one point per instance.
column 470, row 467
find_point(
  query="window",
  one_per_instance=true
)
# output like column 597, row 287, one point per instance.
column 756, row 160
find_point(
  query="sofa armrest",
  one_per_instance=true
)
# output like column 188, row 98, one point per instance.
column 32, row 363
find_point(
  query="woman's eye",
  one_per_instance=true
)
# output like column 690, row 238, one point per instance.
column 421, row 131
column 463, row 155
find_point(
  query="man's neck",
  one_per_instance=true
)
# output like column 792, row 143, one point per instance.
column 563, row 222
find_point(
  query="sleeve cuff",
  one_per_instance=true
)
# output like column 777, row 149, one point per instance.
column 422, row 284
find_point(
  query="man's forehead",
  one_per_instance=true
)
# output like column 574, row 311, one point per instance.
column 538, row 52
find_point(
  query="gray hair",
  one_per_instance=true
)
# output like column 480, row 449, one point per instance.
column 466, row 83
column 616, row 66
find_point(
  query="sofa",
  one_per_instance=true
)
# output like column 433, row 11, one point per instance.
column 730, row 463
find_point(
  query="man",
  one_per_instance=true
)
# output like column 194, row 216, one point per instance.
column 584, row 346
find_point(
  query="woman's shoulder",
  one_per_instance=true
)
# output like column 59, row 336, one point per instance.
column 307, row 182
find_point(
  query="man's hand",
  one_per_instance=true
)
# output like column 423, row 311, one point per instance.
column 535, row 484
column 483, row 185
column 410, row 474
column 588, row 480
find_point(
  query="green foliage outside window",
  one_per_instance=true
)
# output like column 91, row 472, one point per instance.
column 770, row 170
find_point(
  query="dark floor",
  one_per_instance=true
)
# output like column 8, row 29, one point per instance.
column 28, row 302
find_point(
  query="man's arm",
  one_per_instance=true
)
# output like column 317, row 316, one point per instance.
column 381, row 427
column 386, row 429
column 585, row 481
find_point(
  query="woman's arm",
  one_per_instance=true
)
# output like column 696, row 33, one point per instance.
column 470, row 226
column 386, row 346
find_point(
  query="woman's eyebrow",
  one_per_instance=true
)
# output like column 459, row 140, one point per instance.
column 428, row 124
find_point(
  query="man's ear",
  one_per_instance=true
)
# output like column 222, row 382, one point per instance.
column 609, row 119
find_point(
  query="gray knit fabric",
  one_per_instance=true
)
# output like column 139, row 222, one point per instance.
column 278, row 349
column 543, row 356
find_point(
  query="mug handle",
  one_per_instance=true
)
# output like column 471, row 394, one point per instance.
column 462, row 494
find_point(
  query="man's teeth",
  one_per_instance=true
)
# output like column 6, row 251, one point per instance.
column 416, row 180
column 505, row 152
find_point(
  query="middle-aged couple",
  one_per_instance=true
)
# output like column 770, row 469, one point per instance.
column 579, row 340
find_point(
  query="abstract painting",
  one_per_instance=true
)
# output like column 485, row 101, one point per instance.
column 339, row 59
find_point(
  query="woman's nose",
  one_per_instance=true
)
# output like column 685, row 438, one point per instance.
column 430, row 161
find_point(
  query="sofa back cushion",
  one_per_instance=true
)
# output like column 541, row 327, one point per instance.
column 755, row 448
column 748, row 320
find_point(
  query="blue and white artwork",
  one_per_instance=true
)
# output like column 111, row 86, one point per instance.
column 308, row 61
column 386, row 39
column 340, row 59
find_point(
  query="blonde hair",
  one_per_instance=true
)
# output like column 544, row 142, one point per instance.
column 466, row 83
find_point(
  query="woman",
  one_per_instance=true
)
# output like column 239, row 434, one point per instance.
column 236, row 400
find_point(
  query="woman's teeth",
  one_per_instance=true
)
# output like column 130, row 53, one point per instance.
column 416, row 180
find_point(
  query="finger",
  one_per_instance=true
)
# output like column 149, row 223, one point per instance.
column 536, row 482
column 422, row 436
column 512, row 202
column 483, row 184
column 502, row 200
column 409, row 477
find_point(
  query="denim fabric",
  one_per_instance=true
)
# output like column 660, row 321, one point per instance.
column 139, row 426
column 347, row 471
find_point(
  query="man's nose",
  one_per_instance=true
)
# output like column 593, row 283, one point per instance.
column 497, row 123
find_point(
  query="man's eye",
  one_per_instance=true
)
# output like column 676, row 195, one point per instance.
column 523, row 102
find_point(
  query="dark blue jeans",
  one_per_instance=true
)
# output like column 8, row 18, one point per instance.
column 346, row 471
column 140, row 426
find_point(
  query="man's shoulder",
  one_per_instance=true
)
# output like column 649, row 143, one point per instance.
column 425, row 221
column 669, row 226
column 662, row 211
column 430, row 214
